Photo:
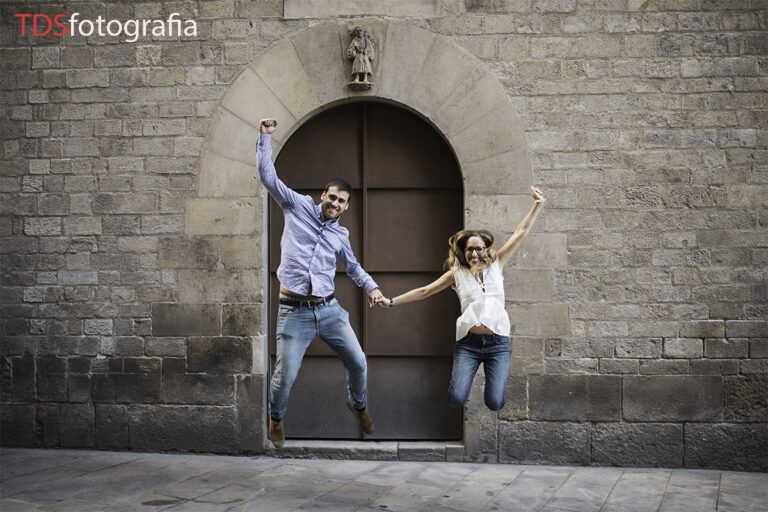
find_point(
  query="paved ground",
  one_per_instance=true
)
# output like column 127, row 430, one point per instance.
column 81, row 481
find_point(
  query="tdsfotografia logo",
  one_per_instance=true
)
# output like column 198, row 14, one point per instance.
column 61, row 25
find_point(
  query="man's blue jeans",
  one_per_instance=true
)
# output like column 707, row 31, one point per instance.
column 296, row 328
column 494, row 352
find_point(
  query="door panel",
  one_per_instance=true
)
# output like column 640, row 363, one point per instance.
column 407, row 201
column 419, row 411
column 327, row 147
column 412, row 229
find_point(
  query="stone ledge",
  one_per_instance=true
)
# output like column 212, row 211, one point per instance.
column 415, row 451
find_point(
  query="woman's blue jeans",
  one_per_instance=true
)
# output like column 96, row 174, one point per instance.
column 296, row 328
column 494, row 352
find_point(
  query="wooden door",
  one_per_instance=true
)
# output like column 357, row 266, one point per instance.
column 406, row 202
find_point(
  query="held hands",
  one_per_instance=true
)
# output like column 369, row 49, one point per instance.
column 383, row 302
column 538, row 196
column 375, row 297
column 268, row 125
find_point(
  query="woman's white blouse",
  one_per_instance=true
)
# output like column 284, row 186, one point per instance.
column 480, row 307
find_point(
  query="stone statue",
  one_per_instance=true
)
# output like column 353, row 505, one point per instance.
column 361, row 51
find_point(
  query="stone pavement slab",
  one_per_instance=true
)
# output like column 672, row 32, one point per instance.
column 33, row 480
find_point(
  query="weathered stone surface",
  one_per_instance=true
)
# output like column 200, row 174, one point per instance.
column 739, row 447
column 527, row 442
column 575, row 397
column 252, row 412
column 223, row 354
column 673, row 398
column 185, row 319
column 241, row 319
column 17, row 425
column 77, row 426
column 309, row 9
column 282, row 71
column 324, row 61
column 138, row 388
column 188, row 253
column 111, row 423
column 407, row 46
column 223, row 177
column 746, row 398
column 184, row 428
column 539, row 319
column 199, row 286
column 632, row 445
column 198, row 389
column 238, row 101
column 223, row 216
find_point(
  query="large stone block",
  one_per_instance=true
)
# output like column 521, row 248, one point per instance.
column 673, row 398
column 206, row 216
column 48, row 425
column 223, row 177
column 528, row 285
column 111, row 427
column 185, row 319
column 232, row 137
column 223, row 354
column 746, row 328
column 77, row 426
column 528, row 442
column 282, row 71
column 539, row 319
column 736, row 447
column 331, row 8
column 17, row 425
column 324, row 61
column 575, row 397
column 497, row 133
column 198, row 389
column 138, row 388
column 507, row 173
column 199, row 286
column 242, row 319
column 726, row 348
column 746, row 398
column 188, row 253
column 241, row 252
column 470, row 102
column 252, row 412
column 406, row 49
column 183, row 428
column 239, row 101
column 633, row 445
column 445, row 67
column 498, row 214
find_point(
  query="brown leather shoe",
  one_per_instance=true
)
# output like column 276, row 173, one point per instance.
column 276, row 432
column 363, row 418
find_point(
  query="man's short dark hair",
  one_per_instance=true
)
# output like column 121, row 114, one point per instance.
column 341, row 186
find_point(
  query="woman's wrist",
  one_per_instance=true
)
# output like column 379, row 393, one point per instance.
column 391, row 302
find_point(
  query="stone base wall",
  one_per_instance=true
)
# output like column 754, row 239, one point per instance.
column 132, row 275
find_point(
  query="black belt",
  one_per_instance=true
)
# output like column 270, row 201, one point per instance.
column 306, row 303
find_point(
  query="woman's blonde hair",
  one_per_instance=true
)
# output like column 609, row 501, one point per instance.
column 458, row 243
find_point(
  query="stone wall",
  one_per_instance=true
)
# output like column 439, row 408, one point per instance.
column 132, row 292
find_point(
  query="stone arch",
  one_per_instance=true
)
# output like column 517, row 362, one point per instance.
column 306, row 73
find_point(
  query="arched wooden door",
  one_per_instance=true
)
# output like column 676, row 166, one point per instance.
column 407, row 201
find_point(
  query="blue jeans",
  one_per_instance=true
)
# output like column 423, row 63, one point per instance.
column 296, row 328
column 494, row 352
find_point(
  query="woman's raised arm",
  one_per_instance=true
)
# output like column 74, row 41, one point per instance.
column 503, row 254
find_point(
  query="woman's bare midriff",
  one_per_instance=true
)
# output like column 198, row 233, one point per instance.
column 480, row 329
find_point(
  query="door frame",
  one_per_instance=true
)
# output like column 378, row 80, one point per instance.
column 426, row 73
